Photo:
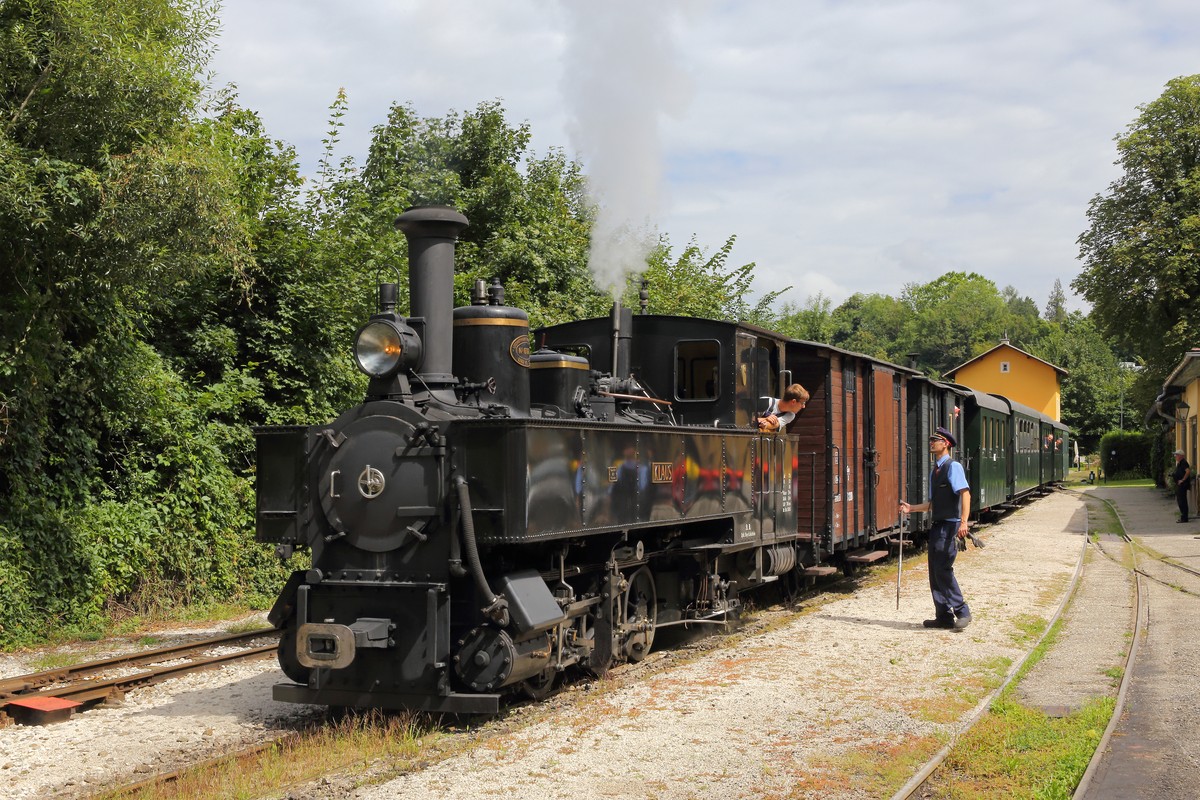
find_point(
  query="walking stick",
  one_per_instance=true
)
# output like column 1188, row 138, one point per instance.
column 900, row 562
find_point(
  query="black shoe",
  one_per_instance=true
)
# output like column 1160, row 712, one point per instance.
column 962, row 622
column 1181, row 520
column 938, row 623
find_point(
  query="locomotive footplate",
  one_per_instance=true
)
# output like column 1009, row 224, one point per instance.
column 453, row 703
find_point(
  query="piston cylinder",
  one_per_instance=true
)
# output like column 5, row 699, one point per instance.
column 488, row 658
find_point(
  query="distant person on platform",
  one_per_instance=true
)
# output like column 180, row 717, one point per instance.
column 775, row 414
column 1183, row 481
column 950, row 502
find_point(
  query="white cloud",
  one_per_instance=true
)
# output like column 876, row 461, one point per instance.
column 851, row 147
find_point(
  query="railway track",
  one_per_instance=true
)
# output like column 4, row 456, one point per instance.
column 918, row 785
column 1140, row 601
column 1164, row 570
column 164, row 780
column 245, row 761
column 107, row 680
column 696, row 639
column 1144, row 566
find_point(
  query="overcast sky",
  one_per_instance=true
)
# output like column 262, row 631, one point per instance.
column 850, row 146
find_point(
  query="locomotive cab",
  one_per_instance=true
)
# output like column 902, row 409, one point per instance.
column 711, row 372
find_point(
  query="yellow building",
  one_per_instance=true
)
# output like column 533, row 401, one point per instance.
column 1010, row 371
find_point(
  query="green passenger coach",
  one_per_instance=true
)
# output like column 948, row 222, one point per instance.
column 984, row 450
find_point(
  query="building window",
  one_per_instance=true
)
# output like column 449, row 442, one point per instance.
column 1004, row 366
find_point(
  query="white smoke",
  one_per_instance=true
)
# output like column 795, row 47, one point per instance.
column 619, row 81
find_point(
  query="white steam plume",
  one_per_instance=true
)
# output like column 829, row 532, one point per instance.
column 620, row 79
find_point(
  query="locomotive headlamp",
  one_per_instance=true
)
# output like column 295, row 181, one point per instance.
column 383, row 347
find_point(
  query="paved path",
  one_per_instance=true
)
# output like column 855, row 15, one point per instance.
column 1154, row 751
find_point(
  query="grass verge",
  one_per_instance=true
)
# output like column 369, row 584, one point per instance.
column 70, row 647
column 357, row 741
column 145, row 626
column 1020, row 752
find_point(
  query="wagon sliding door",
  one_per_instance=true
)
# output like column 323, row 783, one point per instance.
column 884, row 453
column 847, row 412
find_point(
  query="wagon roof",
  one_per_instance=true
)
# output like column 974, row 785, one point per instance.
column 834, row 349
column 1023, row 409
column 957, row 388
column 993, row 402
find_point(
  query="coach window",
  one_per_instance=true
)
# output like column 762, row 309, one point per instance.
column 697, row 369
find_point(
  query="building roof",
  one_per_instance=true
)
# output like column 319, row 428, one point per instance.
column 1187, row 371
column 1062, row 373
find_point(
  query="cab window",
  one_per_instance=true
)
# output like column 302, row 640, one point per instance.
column 697, row 370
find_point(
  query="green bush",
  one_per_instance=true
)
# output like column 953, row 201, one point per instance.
column 126, row 498
column 1126, row 455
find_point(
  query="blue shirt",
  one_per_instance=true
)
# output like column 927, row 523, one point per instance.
column 957, row 478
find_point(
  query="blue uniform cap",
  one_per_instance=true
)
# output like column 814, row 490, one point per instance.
column 942, row 433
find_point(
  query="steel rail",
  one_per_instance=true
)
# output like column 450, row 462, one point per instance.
column 1141, row 612
column 1166, row 561
column 77, row 688
column 165, row 779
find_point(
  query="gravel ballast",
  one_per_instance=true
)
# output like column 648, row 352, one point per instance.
column 789, row 711
column 785, row 712
column 156, row 729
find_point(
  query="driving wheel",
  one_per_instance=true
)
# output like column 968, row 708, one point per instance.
column 641, row 614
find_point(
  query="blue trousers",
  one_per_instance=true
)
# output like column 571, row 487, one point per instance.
column 948, row 600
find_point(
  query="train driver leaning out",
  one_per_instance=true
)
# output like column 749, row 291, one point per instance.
column 779, row 412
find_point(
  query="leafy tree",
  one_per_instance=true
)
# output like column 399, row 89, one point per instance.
column 812, row 322
column 1056, row 306
column 113, row 479
column 699, row 284
column 1024, row 326
column 957, row 316
column 873, row 324
column 1091, row 392
column 530, row 221
column 529, row 227
column 1141, row 266
column 169, row 282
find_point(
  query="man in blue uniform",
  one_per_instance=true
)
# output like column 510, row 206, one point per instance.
column 950, row 502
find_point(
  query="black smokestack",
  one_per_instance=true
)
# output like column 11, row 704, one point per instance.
column 431, row 233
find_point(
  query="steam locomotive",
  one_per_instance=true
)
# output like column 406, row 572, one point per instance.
column 490, row 517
